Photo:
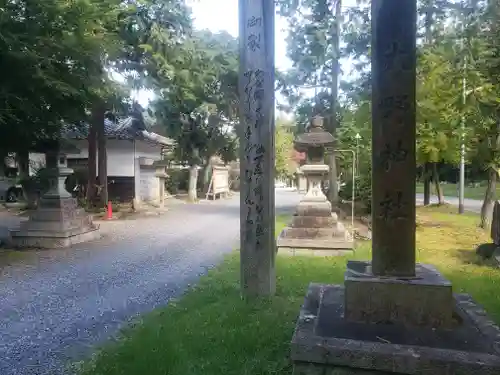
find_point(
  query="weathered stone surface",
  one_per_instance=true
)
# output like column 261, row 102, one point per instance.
column 314, row 227
column 56, row 226
column 343, row 249
column 333, row 244
column 58, row 221
column 316, row 369
column 314, row 138
column 56, row 214
column 50, row 240
column 393, row 61
column 321, row 209
column 314, row 233
column 313, row 221
column 426, row 300
column 324, row 337
column 256, row 88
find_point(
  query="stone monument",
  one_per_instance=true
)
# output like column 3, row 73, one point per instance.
column 393, row 316
column 58, row 221
column 256, row 88
column 314, row 228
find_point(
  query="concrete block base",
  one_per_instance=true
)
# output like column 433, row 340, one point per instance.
column 315, row 252
column 44, row 240
column 326, row 343
column 315, row 369
column 58, row 222
column 425, row 300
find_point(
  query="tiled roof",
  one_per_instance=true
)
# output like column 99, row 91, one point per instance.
column 123, row 128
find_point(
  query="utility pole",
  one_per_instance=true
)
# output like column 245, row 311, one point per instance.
column 256, row 89
column 461, row 191
column 358, row 137
column 461, row 186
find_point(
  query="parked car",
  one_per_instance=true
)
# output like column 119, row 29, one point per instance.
column 10, row 190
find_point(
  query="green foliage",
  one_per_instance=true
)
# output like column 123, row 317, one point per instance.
column 38, row 184
column 198, row 104
column 59, row 55
column 438, row 92
column 177, row 180
column 457, row 50
column 362, row 191
column 79, row 178
column 52, row 51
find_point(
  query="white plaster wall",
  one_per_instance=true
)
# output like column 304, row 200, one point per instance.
column 120, row 155
column 149, row 185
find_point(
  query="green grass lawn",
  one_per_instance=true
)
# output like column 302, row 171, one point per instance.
column 451, row 190
column 212, row 331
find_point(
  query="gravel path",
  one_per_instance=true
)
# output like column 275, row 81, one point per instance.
column 56, row 305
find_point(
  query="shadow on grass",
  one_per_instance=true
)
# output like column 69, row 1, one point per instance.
column 471, row 257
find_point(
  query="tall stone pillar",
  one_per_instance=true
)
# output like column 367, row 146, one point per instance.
column 393, row 137
column 256, row 85
column 393, row 316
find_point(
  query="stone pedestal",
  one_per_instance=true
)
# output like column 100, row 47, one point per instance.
column 314, row 229
column 301, row 182
column 326, row 343
column 57, row 222
column 425, row 300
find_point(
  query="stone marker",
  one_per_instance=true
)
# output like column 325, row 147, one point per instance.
column 393, row 137
column 314, row 229
column 393, row 186
column 58, row 221
column 256, row 85
column 393, row 316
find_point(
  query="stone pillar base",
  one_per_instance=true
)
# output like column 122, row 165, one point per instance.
column 58, row 222
column 425, row 300
column 326, row 343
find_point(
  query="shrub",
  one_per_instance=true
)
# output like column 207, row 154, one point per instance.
column 40, row 182
column 177, row 180
column 37, row 185
column 80, row 178
column 363, row 190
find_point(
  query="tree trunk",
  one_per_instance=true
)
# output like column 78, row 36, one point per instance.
column 23, row 164
column 207, row 175
column 333, row 189
column 427, row 184
column 92, row 159
column 333, row 192
column 437, row 184
column 489, row 200
column 490, row 194
column 193, row 178
column 428, row 22
column 102, row 154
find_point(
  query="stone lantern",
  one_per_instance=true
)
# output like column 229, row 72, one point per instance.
column 314, row 227
column 314, row 143
column 58, row 221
